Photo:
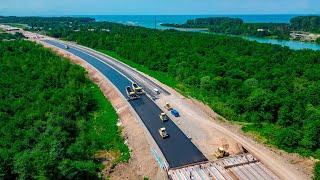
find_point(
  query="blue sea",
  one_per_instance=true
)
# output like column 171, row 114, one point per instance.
column 150, row 21
column 155, row 21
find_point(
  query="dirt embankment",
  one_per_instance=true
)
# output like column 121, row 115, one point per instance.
column 141, row 164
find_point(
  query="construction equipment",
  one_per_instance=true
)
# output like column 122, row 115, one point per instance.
column 163, row 117
column 168, row 107
column 175, row 113
column 156, row 91
column 131, row 94
column 221, row 153
column 163, row 133
column 137, row 89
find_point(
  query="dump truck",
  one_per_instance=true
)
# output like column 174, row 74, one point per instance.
column 130, row 93
column 137, row 89
column 221, row 153
column 163, row 133
column 163, row 117
column 168, row 107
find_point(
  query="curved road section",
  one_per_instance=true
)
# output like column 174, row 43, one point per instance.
column 177, row 148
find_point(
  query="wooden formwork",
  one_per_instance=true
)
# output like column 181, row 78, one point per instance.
column 243, row 166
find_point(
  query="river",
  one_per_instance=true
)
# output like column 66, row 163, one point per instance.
column 296, row 45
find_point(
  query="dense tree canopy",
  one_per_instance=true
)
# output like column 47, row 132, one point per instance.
column 52, row 118
column 306, row 23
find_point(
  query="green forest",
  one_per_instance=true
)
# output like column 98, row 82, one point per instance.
column 237, row 26
column 53, row 119
column 272, row 89
column 306, row 23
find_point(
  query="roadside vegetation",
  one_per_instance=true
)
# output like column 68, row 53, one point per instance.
column 53, row 119
column 7, row 37
column 317, row 171
column 274, row 89
column 236, row 26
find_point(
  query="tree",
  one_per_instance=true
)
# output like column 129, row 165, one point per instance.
column 288, row 139
column 205, row 83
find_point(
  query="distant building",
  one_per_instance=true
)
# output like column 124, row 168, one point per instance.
column 261, row 30
column 12, row 29
column 105, row 30
column 304, row 36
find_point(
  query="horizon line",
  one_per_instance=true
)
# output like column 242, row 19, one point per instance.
column 239, row 14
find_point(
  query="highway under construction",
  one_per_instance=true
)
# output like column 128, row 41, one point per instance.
column 178, row 150
column 181, row 158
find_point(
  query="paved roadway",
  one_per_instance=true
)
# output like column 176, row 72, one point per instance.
column 134, row 75
column 178, row 148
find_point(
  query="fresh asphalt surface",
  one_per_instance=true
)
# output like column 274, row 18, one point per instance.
column 177, row 148
column 150, row 92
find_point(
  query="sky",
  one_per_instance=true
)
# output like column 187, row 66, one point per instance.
column 156, row 7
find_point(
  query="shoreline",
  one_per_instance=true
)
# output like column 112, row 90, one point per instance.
column 282, row 42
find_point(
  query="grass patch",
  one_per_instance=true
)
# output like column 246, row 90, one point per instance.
column 261, row 132
column 103, row 127
column 316, row 171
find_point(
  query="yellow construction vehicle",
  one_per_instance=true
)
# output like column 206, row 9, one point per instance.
column 163, row 117
column 221, row 153
column 168, row 107
column 137, row 89
column 163, row 133
column 131, row 94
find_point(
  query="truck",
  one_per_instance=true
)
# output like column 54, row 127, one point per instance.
column 66, row 46
column 131, row 94
column 137, row 89
column 156, row 91
column 221, row 153
column 163, row 117
column 163, row 133
column 175, row 113
column 168, row 107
